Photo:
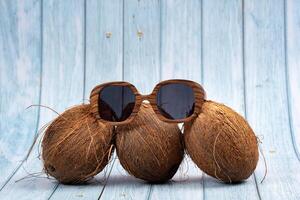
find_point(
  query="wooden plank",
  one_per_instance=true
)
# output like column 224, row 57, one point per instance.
column 222, row 52
column 20, row 65
column 223, row 77
column 141, row 67
column 62, row 85
column 181, row 39
column 293, row 67
column 141, row 44
column 104, row 42
column 267, row 103
column 104, row 46
column 181, row 58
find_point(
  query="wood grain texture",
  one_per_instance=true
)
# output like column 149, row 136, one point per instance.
column 292, row 30
column 223, row 77
column 267, row 103
column 62, row 86
column 222, row 52
column 20, row 66
column 181, row 39
column 181, row 58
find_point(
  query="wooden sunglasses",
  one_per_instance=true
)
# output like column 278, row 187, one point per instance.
column 173, row 101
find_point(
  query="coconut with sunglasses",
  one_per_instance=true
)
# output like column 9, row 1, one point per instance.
column 148, row 148
column 148, row 145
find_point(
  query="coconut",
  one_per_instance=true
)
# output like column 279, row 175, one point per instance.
column 149, row 148
column 221, row 143
column 76, row 146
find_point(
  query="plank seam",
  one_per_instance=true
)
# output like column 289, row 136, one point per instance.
column 201, row 45
column 203, row 186
column 103, row 188
column 287, row 85
column 256, row 185
column 84, row 50
column 150, row 192
column 10, row 176
column 160, row 40
column 41, row 67
column 54, row 189
column 202, row 75
column 123, row 39
column 244, row 83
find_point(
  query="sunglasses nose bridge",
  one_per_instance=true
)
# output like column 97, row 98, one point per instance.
column 145, row 97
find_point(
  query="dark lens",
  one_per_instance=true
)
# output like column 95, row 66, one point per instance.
column 116, row 103
column 175, row 100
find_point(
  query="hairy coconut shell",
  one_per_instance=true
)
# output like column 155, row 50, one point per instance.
column 221, row 143
column 148, row 148
column 76, row 146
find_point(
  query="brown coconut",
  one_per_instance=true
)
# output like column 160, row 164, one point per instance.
column 76, row 146
column 221, row 143
column 148, row 148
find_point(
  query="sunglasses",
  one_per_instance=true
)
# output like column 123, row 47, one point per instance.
column 173, row 101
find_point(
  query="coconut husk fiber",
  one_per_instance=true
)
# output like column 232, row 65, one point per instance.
column 76, row 146
column 221, row 143
column 148, row 148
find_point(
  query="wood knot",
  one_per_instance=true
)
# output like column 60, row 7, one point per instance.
column 140, row 34
column 108, row 34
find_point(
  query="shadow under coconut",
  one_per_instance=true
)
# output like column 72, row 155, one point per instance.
column 210, row 182
column 121, row 180
column 125, row 180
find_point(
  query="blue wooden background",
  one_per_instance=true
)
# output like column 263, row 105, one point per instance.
column 246, row 53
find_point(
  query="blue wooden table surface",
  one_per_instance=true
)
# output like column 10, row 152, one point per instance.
column 246, row 53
